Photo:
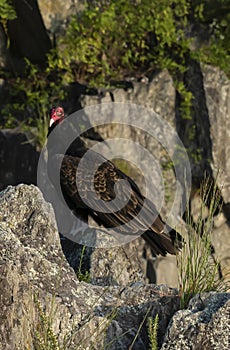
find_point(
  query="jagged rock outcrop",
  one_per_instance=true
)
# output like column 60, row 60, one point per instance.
column 203, row 325
column 112, row 266
column 55, row 13
column 158, row 94
column 206, row 135
column 217, row 93
column 36, row 277
column 42, row 302
column 210, row 120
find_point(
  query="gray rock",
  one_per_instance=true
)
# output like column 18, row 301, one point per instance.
column 55, row 13
column 166, row 270
column 204, row 325
column 114, row 266
column 211, row 89
column 42, row 302
column 118, row 265
column 217, row 92
column 221, row 241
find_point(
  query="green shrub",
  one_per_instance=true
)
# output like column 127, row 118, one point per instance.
column 33, row 95
column 7, row 11
column 111, row 40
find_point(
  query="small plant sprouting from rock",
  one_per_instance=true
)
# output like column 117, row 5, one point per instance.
column 82, row 277
column 153, row 324
column 44, row 336
column 197, row 267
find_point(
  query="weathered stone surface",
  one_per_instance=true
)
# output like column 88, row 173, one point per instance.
column 118, row 265
column 166, row 270
column 132, row 262
column 18, row 160
column 221, row 242
column 33, row 265
column 106, row 267
column 211, row 110
column 158, row 94
column 55, row 13
column 217, row 92
column 204, row 325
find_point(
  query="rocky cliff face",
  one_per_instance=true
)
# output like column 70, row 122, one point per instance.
column 38, row 284
column 43, row 304
column 208, row 146
column 19, row 159
column 204, row 325
column 211, row 135
column 36, row 278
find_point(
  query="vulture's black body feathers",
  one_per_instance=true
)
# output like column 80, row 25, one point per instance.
column 161, row 238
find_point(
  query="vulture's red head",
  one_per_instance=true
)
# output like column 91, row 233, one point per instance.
column 57, row 114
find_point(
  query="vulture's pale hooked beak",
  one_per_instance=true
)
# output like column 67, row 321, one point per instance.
column 51, row 122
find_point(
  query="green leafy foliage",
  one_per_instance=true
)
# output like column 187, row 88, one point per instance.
column 214, row 15
column 34, row 93
column 7, row 11
column 110, row 40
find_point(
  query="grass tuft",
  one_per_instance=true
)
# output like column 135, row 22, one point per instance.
column 44, row 336
column 83, row 277
column 197, row 267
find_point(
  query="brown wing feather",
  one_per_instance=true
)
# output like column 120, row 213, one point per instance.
column 106, row 176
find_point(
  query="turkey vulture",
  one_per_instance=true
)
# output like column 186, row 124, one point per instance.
column 161, row 238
